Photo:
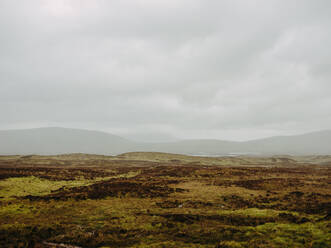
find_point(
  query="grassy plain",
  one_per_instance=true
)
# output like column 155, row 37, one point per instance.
column 164, row 200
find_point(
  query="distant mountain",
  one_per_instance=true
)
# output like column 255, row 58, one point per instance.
column 64, row 140
column 318, row 143
column 305, row 144
column 194, row 147
column 54, row 140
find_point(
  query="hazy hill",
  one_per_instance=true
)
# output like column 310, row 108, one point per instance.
column 305, row 144
column 63, row 140
column 203, row 147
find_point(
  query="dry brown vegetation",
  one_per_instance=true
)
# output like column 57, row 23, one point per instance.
column 164, row 200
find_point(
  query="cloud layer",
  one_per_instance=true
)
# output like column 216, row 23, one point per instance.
column 160, row 70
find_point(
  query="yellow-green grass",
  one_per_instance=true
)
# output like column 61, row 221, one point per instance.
column 200, row 215
column 201, row 160
column 23, row 186
column 78, row 219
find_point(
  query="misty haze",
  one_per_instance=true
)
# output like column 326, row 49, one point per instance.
column 154, row 123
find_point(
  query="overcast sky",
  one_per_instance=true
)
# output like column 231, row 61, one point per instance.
column 167, row 69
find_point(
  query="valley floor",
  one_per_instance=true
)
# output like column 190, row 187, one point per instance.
column 163, row 201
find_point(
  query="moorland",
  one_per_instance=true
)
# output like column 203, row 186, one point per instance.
column 147, row 199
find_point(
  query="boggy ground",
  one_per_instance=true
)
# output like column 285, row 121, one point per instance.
column 130, row 203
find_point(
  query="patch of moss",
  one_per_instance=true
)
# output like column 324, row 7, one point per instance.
column 296, row 235
column 23, row 186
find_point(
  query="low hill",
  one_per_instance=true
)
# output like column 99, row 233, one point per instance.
column 50, row 141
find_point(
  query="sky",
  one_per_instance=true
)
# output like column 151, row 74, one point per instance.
column 161, row 70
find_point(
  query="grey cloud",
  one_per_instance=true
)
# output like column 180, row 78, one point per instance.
column 219, row 69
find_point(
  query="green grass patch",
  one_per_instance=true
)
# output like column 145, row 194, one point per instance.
column 297, row 235
column 23, row 186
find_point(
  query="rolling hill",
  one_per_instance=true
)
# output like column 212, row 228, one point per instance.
column 54, row 140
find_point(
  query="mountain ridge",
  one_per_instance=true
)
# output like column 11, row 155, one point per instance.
column 58, row 140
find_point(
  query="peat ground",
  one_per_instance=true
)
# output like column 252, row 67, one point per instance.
column 96, row 201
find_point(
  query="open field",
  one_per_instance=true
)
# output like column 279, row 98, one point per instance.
column 164, row 200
